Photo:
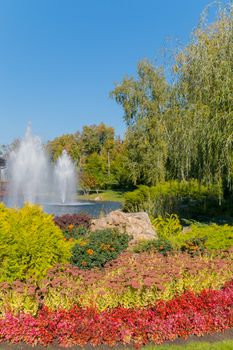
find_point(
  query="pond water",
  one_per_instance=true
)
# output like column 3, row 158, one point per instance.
column 93, row 208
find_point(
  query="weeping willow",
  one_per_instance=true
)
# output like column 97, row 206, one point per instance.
column 202, row 142
column 184, row 130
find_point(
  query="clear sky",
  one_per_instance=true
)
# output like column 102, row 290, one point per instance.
column 59, row 59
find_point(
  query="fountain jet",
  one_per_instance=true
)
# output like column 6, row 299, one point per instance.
column 65, row 178
column 32, row 177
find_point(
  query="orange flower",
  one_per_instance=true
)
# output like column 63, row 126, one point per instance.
column 90, row 251
column 70, row 227
column 71, row 239
column 84, row 263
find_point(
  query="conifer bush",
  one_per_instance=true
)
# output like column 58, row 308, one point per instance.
column 30, row 243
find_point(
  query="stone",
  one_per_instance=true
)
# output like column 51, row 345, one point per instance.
column 136, row 224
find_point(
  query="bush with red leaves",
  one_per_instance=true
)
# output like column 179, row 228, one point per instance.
column 76, row 220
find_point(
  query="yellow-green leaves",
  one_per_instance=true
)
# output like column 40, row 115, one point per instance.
column 30, row 243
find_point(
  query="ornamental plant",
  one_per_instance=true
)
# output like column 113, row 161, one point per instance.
column 168, row 226
column 160, row 245
column 64, row 222
column 130, row 281
column 73, row 225
column 30, row 243
column 134, row 280
column 212, row 237
column 99, row 247
column 188, row 314
column 17, row 297
column 169, row 197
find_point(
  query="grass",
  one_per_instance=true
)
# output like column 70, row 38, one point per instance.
column 108, row 195
column 223, row 345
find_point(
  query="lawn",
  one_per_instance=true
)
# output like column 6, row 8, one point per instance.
column 224, row 345
column 108, row 195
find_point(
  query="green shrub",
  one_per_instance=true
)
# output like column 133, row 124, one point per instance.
column 98, row 248
column 194, row 246
column 212, row 237
column 138, row 200
column 73, row 232
column 173, row 197
column 30, row 243
column 168, row 226
column 160, row 245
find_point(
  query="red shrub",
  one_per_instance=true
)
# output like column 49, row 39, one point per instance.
column 77, row 220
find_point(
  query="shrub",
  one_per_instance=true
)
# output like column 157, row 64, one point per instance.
column 30, row 243
column 173, row 197
column 98, row 248
column 194, row 246
column 72, row 220
column 138, row 199
column 160, row 245
column 168, row 226
column 212, row 237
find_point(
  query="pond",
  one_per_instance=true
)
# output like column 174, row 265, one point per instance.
column 93, row 208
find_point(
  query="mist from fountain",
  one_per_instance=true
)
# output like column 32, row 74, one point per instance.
column 32, row 178
column 65, row 178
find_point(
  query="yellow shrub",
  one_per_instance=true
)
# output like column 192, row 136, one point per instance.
column 30, row 243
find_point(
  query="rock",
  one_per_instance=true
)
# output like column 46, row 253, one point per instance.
column 136, row 224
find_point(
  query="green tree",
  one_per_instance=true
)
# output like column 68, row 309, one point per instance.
column 145, row 102
column 202, row 145
column 69, row 142
column 95, row 137
column 120, row 166
column 183, row 130
column 95, row 168
column 87, row 182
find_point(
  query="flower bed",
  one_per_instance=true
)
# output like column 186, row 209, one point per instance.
column 206, row 313
column 131, row 280
column 134, row 280
column 119, row 296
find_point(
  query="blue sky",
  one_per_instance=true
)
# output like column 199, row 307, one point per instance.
column 59, row 59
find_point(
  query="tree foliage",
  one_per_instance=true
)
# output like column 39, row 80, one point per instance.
column 98, row 154
column 145, row 103
column 177, row 129
column 204, row 96
column 183, row 130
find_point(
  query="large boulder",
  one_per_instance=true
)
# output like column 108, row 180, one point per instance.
column 136, row 224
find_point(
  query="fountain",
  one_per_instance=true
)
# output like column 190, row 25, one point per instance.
column 33, row 178
column 65, row 178
column 28, row 171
